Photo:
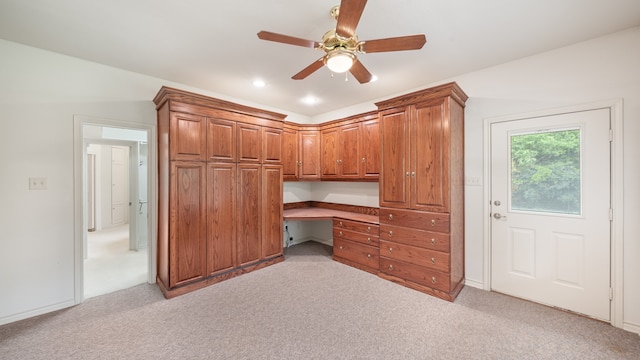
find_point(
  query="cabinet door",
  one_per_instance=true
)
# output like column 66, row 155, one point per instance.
column 329, row 149
column 290, row 154
column 221, row 222
column 249, row 143
column 187, row 231
column 221, row 140
column 430, row 157
column 249, row 234
column 187, row 137
column 394, row 145
column 271, row 146
column 349, row 145
column 309, row 154
column 370, row 154
column 272, row 209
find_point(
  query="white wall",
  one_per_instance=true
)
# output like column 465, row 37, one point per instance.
column 40, row 92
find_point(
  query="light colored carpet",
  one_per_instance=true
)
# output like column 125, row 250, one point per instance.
column 310, row 307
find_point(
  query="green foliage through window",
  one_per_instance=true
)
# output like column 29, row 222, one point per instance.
column 545, row 172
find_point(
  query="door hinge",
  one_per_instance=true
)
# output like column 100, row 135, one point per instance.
column 610, row 294
column 610, row 134
column 610, row 214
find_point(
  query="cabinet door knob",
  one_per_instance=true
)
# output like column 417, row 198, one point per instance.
column 390, row 250
column 340, row 247
column 368, row 256
column 413, row 174
column 407, row 173
column 364, row 160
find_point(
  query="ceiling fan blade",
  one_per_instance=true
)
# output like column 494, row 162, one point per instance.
column 309, row 69
column 360, row 72
column 286, row 39
column 412, row 42
column 349, row 16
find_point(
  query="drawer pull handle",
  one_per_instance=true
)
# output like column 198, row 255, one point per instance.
column 433, row 260
column 390, row 250
column 369, row 240
column 390, row 216
column 340, row 234
column 368, row 256
column 368, row 228
column 341, row 223
column 390, row 233
column 340, row 247
column 433, row 241
column 433, row 279
column 391, row 267
column 433, row 222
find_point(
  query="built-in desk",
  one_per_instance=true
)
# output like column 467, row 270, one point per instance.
column 317, row 213
column 355, row 230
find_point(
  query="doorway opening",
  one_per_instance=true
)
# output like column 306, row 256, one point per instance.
column 115, row 246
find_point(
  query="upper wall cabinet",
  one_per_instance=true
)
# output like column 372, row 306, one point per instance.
column 300, row 152
column 346, row 149
column 188, row 137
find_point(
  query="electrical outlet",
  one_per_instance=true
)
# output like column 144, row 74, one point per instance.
column 37, row 183
column 286, row 227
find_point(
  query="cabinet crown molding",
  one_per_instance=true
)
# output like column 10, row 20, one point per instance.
column 170, row 94
column 450, row 89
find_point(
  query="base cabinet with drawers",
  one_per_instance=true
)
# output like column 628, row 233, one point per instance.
column 356, row 244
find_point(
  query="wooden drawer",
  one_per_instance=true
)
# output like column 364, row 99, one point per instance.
column 430, row 221
column 415, row 273
column 362, row 227
column 344, row 234
column 420, row 238
column 414, row 255
column 362, row 254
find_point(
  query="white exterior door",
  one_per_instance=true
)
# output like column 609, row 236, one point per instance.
column 550, row 208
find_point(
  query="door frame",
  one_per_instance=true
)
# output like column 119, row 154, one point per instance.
column 617, row 197
column 80, row 190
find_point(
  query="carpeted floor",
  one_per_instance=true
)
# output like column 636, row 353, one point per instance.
column 310, row 307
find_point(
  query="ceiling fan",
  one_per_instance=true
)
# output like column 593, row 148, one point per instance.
column 341, row 44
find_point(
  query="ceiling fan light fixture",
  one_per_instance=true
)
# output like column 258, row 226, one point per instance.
column 339, row 61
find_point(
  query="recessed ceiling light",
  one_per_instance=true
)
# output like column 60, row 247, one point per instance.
column 310, row 100
column 259, row 83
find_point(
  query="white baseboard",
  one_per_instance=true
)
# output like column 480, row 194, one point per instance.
column 311, row 238
column 474, row 284
column 634, row 328
column 36, row 312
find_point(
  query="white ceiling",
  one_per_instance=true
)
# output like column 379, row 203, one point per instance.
column 213, row 45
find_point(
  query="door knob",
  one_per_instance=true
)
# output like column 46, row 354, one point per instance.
column 498, row 216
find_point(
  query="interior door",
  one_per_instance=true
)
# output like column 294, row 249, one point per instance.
column 550, row 207
column 119, row 185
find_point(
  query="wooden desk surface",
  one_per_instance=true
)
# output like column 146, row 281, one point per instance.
column 317, row 213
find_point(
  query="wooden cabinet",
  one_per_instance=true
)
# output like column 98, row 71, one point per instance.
column 355, row 243
column 187, row 137
column 370, row 152
column 187, row 222
column 300, row 152
column 219, row 190
column 309, row 155
column 341, row 152
column 422, row 190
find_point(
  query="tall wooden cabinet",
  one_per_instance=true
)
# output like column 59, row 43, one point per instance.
column 422, row 190
column 219, row 190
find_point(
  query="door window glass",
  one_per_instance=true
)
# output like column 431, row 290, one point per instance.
column 545, row 172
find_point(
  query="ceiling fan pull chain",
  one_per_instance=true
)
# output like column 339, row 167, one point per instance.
column 346, row 77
